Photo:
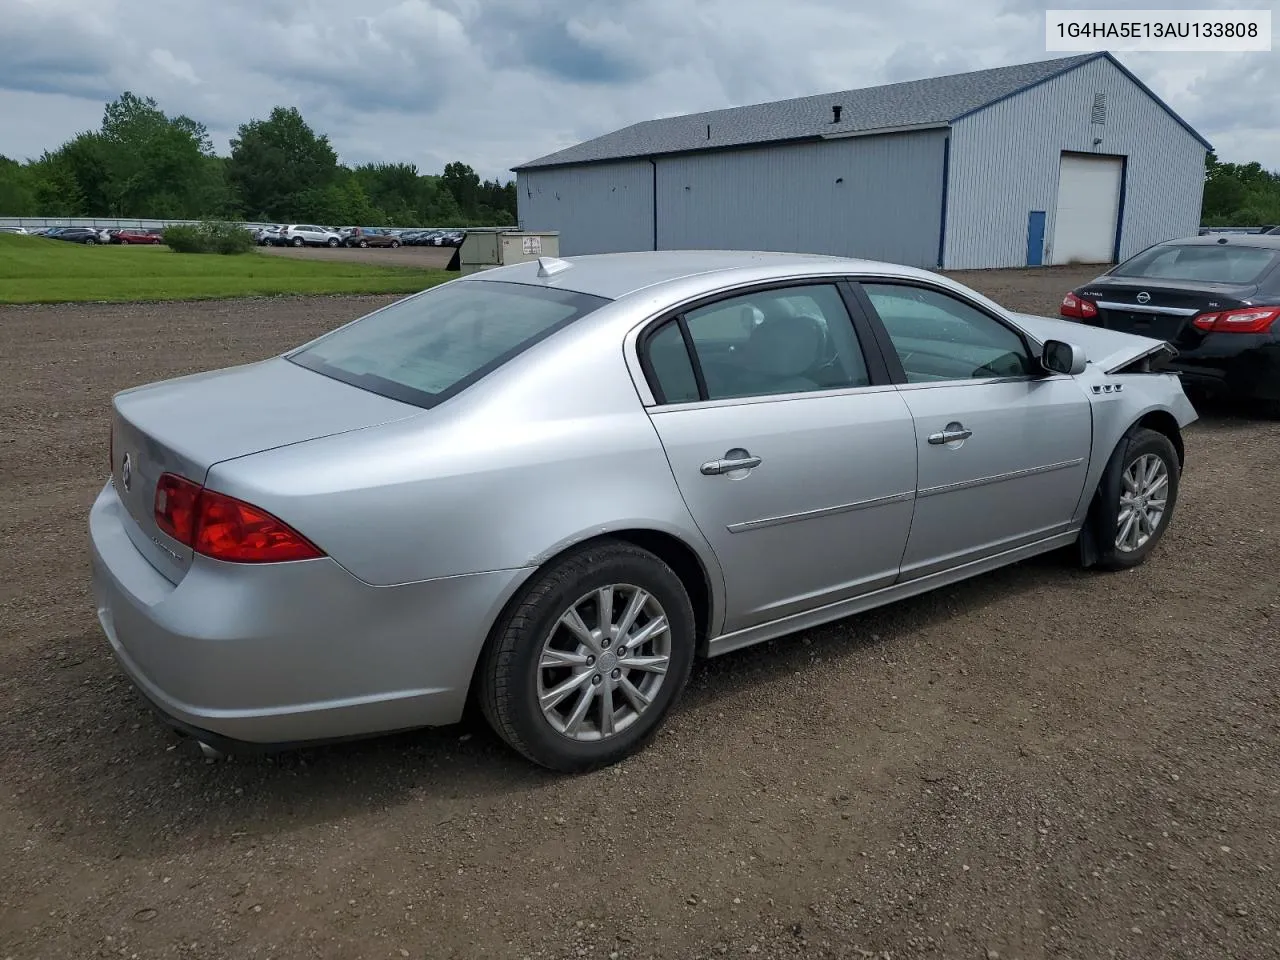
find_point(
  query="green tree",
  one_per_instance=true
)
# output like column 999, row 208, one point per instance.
column 463, row 183
column 156, row 166
column 1245, row 195
column 17, row 195
column 277, row 162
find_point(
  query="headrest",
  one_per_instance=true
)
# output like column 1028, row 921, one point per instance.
column 785, row 346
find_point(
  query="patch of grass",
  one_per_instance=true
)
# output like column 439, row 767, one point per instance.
column 36, row 270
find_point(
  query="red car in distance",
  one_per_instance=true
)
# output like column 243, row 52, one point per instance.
column 135, row 235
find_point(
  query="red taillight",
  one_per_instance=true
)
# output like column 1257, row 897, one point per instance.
column 225, row 528
column 1078, row 307
column 176, row 499
column 1240, row 320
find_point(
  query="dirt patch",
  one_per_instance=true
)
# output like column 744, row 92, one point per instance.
column 1040, row 762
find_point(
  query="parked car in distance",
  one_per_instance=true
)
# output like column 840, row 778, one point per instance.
column 371, row 237
column 18, row 230
column 554, row 484
column 1216, row 298
column 309, row 235
column 85, row 235
column 130, row 235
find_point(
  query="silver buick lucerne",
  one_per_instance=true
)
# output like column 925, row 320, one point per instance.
column 550, row 486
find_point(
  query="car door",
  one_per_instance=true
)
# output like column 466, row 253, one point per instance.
column 794, row 454
column 1003, row 447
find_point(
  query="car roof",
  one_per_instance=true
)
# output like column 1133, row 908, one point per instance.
column 617, row 275
column 1268, row 241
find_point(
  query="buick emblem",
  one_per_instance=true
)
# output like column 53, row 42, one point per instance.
column 1144, row 297
column 126, row 473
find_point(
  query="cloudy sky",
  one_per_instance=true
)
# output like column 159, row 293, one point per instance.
column 498, row 82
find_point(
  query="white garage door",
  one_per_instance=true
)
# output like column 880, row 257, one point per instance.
column 1084, row 229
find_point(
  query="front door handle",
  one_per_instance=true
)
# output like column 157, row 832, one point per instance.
column 733, row 460
column 953, row 432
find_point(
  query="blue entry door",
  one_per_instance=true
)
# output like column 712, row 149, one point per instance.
column 1035, row 238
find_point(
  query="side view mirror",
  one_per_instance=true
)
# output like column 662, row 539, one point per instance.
column 1060, row 357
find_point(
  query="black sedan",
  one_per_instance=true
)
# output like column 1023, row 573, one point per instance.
column 1215, row 298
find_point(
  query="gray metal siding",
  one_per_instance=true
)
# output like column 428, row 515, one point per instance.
column 598, row 208
column 886, row 205
column 1004, row 164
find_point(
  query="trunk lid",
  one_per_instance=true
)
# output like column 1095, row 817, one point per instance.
column 1162, row 309
column 188, row 424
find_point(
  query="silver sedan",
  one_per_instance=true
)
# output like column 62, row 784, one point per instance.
column 553, row 485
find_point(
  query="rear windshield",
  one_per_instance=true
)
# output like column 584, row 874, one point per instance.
column 1219, row 263
column 427, row 348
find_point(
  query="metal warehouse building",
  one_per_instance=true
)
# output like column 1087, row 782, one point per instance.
column 1059, row 161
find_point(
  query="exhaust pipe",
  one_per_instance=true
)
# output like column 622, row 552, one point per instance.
column 210, row 753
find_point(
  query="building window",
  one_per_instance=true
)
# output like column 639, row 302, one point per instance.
column 1099, row 108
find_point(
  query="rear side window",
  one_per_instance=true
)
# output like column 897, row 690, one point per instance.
column 765, row 343
column 1219, row 263
column 430, row 347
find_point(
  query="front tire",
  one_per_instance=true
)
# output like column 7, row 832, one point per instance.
column 332, row 242
column 395, row 244
column 1135, row 499
column 364, row 243
column 573, row 690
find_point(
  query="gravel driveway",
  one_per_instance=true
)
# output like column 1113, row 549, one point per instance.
column 1040, row 762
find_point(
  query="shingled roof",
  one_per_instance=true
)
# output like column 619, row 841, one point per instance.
column 936, row 101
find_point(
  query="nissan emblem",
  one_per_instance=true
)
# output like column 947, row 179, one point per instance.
column 1144, row 297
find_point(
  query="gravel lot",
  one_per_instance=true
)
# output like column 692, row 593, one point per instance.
column 1040, row 762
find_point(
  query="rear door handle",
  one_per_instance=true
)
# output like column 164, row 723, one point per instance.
column 714, row 468
column 953, row 432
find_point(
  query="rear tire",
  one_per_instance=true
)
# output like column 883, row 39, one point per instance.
column 364, row 243
column 297, row 241
column 539, row 647
column 1135, row 500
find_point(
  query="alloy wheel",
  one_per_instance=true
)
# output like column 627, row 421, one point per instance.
column 1144, row 498
column 603, row 662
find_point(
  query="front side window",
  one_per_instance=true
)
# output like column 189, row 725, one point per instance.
column 789, row 340
column 939, row 337
column 427, row 348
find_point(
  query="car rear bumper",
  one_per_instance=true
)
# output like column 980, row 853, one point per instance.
column 1238, row 365
column 288, row 653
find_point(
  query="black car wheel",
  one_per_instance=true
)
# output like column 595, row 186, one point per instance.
column 89, row 241
column 586, row 664
column 297, row 241
column 364, row 243
column 333, row 241
column 395, row 244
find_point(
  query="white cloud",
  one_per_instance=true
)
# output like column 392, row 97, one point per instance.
column 179, row 69
column 498, row 82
